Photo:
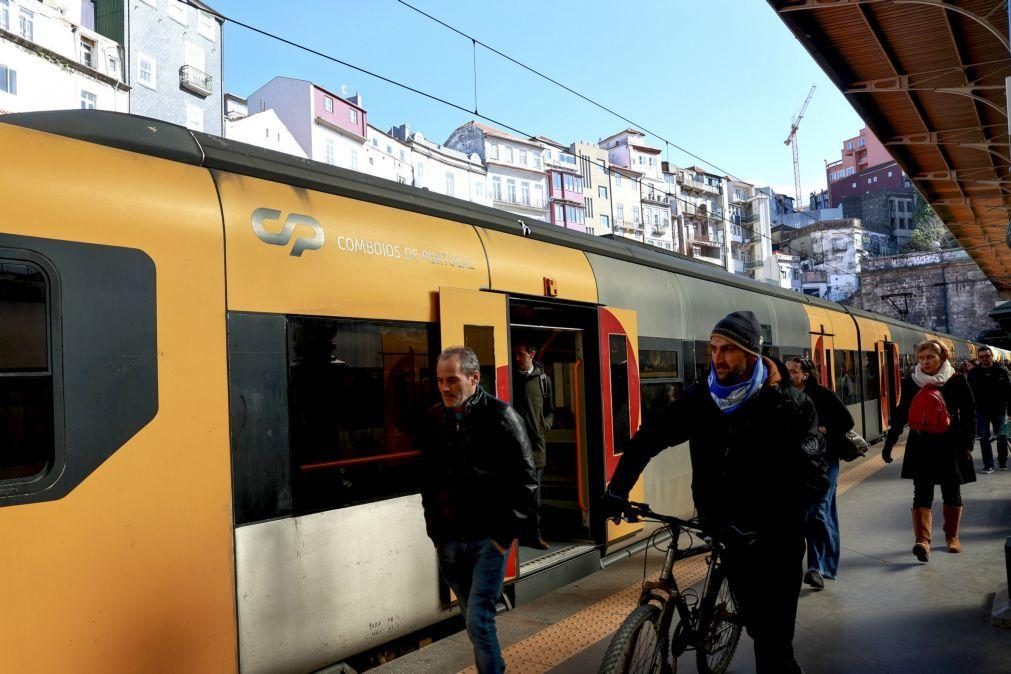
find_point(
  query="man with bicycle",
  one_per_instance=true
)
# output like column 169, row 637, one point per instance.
column 753, row 442
column 477, row 490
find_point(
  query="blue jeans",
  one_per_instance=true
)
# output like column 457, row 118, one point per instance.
column 983, row 423
column 821, row 528
column 475, row 571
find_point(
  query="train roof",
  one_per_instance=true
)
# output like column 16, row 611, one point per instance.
column 164, row 140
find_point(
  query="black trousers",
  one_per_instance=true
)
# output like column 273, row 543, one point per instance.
column 765, row 579
column 923, row 492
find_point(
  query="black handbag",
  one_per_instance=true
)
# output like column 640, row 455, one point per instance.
column 850, row 446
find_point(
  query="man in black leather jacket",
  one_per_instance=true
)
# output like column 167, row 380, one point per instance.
column 478, row 493
column 755, row 452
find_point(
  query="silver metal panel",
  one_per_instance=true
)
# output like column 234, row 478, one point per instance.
column 655, row 295
column 313, row 590
column 668, row 482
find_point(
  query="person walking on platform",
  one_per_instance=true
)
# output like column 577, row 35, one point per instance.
column 938, row 406
column 533, row 398
column 751, row 438
column 477, row 492
column 991, row 389
column 822, row 526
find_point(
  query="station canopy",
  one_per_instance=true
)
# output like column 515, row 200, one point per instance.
column 928, row 78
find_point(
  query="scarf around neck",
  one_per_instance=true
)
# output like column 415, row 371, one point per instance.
column 938, row 380
column 729, row 398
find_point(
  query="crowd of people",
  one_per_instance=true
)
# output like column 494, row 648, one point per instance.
column 765, row 439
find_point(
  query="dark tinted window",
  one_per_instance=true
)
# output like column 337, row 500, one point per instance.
column 660, row 381
column 619, row 391
column 26, row 382
column 358, row 393
column 872, row 384
column 847, row 376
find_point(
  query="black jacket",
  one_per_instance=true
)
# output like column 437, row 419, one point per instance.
column 746, row 466
column 991, row 388
column 533, row 400
column 478, row 477
column 832, row 414
column 938, row 457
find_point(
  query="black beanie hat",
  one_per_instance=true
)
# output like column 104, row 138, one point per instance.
column 743, row 329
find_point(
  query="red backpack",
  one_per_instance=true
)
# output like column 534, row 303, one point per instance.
column 928, row 413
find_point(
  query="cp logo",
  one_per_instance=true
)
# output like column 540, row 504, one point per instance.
column 283, row 237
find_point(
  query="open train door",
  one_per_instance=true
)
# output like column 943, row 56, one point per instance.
column 619, row 376
column 480, row 320
column 888, row 357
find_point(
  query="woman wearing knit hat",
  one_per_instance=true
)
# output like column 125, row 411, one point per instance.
column 751, row 438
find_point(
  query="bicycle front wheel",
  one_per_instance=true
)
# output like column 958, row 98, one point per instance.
column 638, row 646
column 721, row 634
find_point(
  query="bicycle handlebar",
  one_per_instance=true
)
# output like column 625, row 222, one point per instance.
column 635, row 512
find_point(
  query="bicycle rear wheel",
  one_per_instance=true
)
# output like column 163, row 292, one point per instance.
column 639, row 646
column 722, row 633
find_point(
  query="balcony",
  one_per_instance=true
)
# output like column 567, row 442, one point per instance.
column 656, row 198
column 754, row 264
column 513, row 200
column 814, row 277
column 196, row 81
column 698, row 186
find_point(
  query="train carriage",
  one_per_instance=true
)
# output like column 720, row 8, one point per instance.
column 215, row 358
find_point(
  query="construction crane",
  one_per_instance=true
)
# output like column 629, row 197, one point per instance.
column 792, row 140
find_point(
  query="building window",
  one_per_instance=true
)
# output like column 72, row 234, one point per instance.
column 889, row 174
column 330, row 152
column 450, row 184
column 8, row 80
column 403, row 156
column 635, row 215
column 352, row 115
column 147, row 71
column 195, row 57
column 194, row 118
column 479, row 190
column 617, row 180
column 574, row 215
column 556, row 180
column 589, row 207
column 492, row 151
column 511, row 190
column 27, row 415
column 177, row 11
column 605, row 221
column 87, row 51
column 26, row 24
column 206, row 25
column 538, row 195
column 419, row 173
column 496, row 188
column 537, row 161
column 525, row 192
column 619, row 214
column 509, row 155
column 589, row 230
column 5, row 14
column 354, row 160
column 114, row 67
column 602, row 192
column 853, row 185
column 523, row 157
column 327, row 104
column 559, row 213
column 389, row 149
column 88, row 100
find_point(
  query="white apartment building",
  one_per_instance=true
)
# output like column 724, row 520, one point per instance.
column 789, row 271
column 599, row 211
column 515, row 166
column 444, row 170
column 387, row 157
column 626, row 203
column 264, row 129
column 751, row 232
column 627, row 149
column 701, row 215
column 51, row 58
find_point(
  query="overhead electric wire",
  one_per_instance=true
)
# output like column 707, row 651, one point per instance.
column 457, row 106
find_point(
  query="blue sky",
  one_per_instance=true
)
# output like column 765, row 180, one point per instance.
column 721, row 78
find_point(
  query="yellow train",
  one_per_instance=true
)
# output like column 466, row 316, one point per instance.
column 213, row 358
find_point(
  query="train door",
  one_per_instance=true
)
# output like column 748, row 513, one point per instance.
column 822, row 357
column 560, row 337
column 888, row 354
column 619, row 372
column 479, row 320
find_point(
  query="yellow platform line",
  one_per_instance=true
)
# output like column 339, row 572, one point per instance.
column 555, row 644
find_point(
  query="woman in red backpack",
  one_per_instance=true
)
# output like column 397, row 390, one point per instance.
column 937, row 405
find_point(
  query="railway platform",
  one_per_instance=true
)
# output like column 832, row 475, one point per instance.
column 887, row 612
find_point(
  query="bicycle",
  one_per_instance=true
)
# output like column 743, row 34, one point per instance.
column 711, row 625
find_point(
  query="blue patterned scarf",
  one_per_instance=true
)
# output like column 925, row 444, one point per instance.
column 729, row 398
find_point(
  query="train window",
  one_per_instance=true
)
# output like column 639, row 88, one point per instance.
column 702, row 360
column 26, row 381
column 481, row 338
column 358, row 392
column 846, row 372
column 872, row 384
column 619, row 391
column 660, row 381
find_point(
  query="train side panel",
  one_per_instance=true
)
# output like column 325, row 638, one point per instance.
column 124, row 563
